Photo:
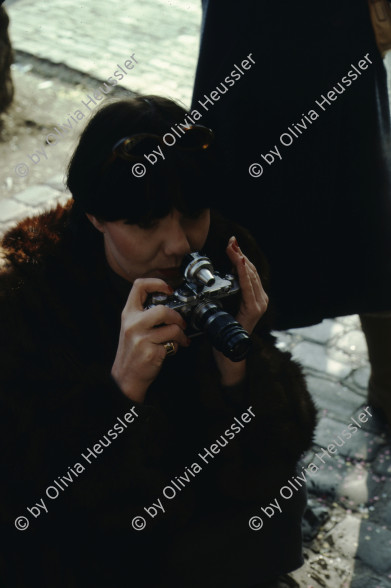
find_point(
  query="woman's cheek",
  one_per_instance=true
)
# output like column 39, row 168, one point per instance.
column 199, row 232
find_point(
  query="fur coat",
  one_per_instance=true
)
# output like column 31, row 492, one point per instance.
column 81, row 461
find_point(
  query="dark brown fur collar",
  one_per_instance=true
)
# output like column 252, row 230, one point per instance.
column 35, row 238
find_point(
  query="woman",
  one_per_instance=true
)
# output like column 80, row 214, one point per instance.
column 134, row 468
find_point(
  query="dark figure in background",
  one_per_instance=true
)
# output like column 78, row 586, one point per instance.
column 322, row 211
column 6, row 59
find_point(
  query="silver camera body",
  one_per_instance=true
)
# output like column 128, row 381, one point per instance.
column 197, row 300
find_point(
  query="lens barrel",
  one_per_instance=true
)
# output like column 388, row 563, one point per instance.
column 225, row 333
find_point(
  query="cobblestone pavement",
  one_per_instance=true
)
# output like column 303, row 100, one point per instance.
column 350, row 493
column 93, row 37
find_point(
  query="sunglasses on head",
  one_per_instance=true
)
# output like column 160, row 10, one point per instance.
column 134, row 147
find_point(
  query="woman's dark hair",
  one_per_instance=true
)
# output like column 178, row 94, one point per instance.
column 111, row 192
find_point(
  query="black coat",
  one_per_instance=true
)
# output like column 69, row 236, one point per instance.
column 60, row 311
column 321, row 214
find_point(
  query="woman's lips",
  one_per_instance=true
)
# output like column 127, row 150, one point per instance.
column 170, row 271
column 172, row 275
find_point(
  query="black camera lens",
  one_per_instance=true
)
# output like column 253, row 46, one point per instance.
column 225, row 333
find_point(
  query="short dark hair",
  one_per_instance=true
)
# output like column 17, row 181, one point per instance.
column 181, row 180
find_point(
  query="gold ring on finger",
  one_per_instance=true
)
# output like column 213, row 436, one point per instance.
column 170, row 348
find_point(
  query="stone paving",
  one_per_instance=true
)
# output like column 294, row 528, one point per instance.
column 354, row 483
column 350, row 493
column 93, row 37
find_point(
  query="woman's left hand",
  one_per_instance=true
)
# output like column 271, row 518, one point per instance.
column 253, row 305
column 254, row 298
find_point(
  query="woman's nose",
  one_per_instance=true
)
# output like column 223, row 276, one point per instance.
column 176, row 242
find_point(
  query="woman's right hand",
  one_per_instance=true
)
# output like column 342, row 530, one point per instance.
column 140, row 353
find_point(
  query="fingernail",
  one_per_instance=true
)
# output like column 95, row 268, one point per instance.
column 235, row 245
column 243, row 261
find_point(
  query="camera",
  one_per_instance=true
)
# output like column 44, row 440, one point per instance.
column 197, row 300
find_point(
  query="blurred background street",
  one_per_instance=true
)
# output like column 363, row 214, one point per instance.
column 63, row 52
